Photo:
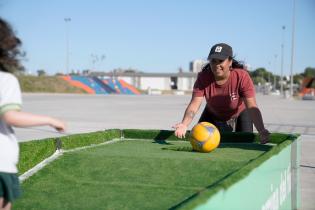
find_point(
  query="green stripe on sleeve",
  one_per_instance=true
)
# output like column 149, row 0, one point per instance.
column 9, row 107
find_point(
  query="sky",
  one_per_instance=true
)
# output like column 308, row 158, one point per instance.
column 160, row 35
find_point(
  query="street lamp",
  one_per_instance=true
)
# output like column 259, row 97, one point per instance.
column 274, row 76
column 292, row 49
column 282, row 55
column 67, row 20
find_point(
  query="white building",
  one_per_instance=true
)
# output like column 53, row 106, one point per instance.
column 197, row 65
column 183, row 81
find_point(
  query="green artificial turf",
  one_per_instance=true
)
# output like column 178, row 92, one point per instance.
column 33, row 152
column 133, row 174
column 86, row 139
column 232, row 137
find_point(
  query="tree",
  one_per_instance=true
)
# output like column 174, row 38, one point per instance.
column 258, row 80
column 41, row 72
column 260, row 72
column 59, row 74
column 260, row 75
column 309, row 72
column 298, row 78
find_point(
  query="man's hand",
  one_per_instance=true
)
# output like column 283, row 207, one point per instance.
column 264, row 136
column 180, row 130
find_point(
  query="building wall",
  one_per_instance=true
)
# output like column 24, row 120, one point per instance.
column 185, row 83
column 160, row 83
column 197, row 65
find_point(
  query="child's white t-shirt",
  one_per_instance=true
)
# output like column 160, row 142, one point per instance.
column 10, row 99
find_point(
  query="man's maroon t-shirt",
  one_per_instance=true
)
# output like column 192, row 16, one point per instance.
column 224, row 101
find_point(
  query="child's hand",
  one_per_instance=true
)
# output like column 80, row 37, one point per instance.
column 58, row 125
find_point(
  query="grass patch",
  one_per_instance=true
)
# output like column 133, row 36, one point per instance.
column 87, row 139
column 33, row 152
column 46, row 84
column 237, row 175
column 132, row 174
column 232, row 137
column 157, row 171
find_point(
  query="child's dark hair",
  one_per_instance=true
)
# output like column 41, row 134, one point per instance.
column 9, row 48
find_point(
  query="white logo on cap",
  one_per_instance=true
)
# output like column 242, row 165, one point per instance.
column 218, row 49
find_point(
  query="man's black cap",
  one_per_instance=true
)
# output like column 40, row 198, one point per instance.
column 220, row 51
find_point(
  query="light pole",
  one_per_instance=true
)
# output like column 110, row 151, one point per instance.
column 67, row 20
column 292, row 50
column 282, row 55
column 269, row 72
column 274, row 76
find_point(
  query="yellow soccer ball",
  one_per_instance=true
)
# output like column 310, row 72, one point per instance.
column 204, row 137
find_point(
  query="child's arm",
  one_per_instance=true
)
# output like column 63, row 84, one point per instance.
column 23, row 119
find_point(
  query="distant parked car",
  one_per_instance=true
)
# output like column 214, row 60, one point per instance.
column 309, row 96
column 275, row 93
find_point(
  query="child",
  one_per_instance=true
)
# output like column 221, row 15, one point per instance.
column 11, row 115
